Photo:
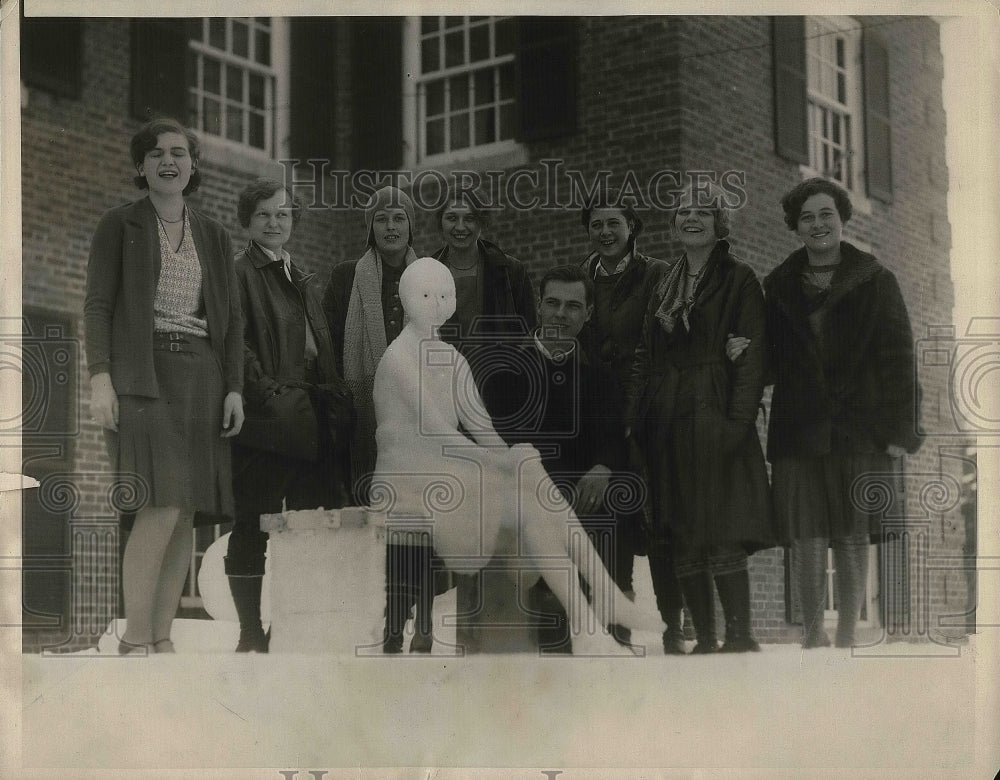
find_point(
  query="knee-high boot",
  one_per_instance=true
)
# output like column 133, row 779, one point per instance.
column 246, row 596
column 669, row 600
column 734, row 593
column 700, row 598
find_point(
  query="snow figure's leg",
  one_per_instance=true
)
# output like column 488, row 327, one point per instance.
column 547, row 521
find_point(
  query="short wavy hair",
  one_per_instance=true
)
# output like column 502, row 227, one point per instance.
column 716, row 198
column 144, row 141
column 794, row 199
column 262, row 189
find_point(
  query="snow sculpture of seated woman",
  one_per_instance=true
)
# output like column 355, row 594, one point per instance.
column 470, row 490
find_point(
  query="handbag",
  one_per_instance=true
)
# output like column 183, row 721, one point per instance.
column 285, row 424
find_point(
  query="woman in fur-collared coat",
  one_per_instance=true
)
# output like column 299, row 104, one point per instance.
column 844, row 399
column 693, row 412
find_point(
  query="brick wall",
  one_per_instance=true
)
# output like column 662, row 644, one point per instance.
column 654, row 93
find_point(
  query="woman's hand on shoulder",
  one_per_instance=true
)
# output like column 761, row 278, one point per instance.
column 895, row 451
column 104, row 401
column 232, row 415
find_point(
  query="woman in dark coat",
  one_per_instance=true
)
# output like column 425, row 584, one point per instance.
column 694, row 411
column 624, row 282
column 292, row 449
column 844, row 400
column 165, row 354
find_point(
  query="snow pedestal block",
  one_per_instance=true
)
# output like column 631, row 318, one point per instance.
column 327, row 572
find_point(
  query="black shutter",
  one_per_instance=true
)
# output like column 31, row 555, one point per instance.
column 377, row 82
column 546, row 77
column 313, row 87
column 791, row 123
column 878, row 128
column 52, row 55
column 160, row 68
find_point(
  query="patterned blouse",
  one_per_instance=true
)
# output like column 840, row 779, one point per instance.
column 178, row 305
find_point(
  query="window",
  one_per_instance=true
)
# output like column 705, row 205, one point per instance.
column 232, row 94
column 833, row 68
column 831, row 101
column 465, row 85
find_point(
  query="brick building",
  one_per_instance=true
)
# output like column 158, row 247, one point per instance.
column 539, row 108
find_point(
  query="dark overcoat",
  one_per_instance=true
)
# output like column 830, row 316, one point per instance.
column 275, row 311
column 612, row 339
column 859, row 393
column 694, row 411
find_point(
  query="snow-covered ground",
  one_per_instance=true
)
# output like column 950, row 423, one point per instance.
column 782, row 711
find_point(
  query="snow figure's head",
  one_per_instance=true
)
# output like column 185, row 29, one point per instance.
column 427, row 292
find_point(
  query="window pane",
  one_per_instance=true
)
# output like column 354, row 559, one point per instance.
column 484, row 86
column 263, row 47
column 217, row 33
column 257, row 130
column 430, row 55
column 842, row 88
column 453, row 21
column 460, row 131
column 241, row 39
column 429, row 24
column 234, row 83
column 479, row 43
column 474, row 19
column 435, row 98
column 506, row 121
column 459, row 93
column 485, row 126
column 256, row 90
column 504, row 34
column 507, row 82
column 212, row 76
column 211, row 117
column 263, row 21
column 234, row 123
column 454, row 49
column 840, row 52
column 435, row 136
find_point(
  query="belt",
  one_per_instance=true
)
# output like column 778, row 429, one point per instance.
column 171, row 341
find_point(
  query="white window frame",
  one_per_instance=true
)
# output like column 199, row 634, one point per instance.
column 504, row 152
column 225, row 151
column 849, row 30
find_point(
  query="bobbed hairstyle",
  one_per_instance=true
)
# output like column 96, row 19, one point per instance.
column 262, row 189
column 690, row 199
column 570, row 274
column 794, row 199
column 144, row 141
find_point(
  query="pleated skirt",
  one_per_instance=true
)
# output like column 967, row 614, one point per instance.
column 168, row 451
